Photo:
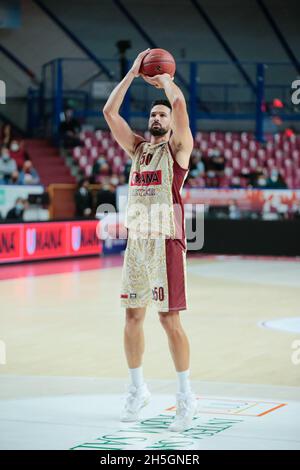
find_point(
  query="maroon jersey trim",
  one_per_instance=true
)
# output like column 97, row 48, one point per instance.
column 175, row 275
column 175, row 161
column 137, row 145
column 179, row 175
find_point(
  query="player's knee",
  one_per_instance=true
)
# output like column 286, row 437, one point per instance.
column 134, row 318
column 170, row 322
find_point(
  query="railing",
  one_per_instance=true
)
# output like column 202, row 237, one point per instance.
column 214, row 91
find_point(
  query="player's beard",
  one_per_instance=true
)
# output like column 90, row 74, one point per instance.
column 158, row 131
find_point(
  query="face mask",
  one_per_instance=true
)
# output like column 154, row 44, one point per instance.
column 14, row 147
column 274, row 176
column 5, row 157
column 114, row 181
column 19, row 207
column 27, row 178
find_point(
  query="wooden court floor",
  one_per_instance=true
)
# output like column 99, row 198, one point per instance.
column 71, row 324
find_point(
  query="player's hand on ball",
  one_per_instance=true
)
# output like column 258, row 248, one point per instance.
column 158, row 80
column 135, row 69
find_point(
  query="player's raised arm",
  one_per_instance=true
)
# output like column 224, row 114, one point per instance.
column 121, row 131
column 182, row 139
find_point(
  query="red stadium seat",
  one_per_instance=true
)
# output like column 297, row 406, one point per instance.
column 240, row 150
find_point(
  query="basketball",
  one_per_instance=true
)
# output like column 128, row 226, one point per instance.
column 157, row 62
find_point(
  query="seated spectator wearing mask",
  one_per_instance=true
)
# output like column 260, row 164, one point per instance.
column 83, row 199
column 256, row 178
column 122, row 180
column 235, row 183
column 104, row 172
column 212, row 168
column 197, row 167
column 69, row 130
column 107, row 194
column 114, row 180
column 7, row 165
column 18, row 153
column 16, row 213
column 14, row 179
column 275, row 181
column 28, row 175
column 101, row 160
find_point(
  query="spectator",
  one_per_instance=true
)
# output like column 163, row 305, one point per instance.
column 18, row 153
column 6, row 134
column 214, row 166
column 234, row 211
column 218, row 161
column 114, row 180
column 69, row 130
column 97, row 166
column 122, row 180
column 16, row 213
column 197, row 167
column 28, row 175
column 106, row 194
column 7, row 165
column 104, row 171
column 235, row 183
column 15, row 178
column 275, row 181
column 83, row 199
column 256, row 178
column 260, row 182
column 212, row 159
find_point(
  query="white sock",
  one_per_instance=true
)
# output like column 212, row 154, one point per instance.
column 137, row 376
column 183, row 384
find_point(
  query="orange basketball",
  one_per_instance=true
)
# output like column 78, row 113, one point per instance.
column 158, row 61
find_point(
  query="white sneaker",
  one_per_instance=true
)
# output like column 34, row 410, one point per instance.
column 135, row 400
column 186, row 409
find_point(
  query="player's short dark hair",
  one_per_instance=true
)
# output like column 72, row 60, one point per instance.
column 163, row 102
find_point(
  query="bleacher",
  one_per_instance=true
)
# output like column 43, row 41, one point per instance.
column 241, row 151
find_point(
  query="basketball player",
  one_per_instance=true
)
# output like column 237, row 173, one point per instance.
column 154, row 265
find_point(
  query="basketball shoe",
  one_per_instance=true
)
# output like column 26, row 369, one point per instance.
column 186, row 409
column 135, row 400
